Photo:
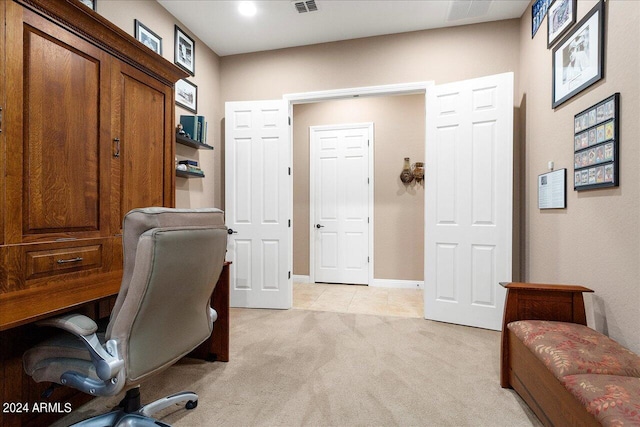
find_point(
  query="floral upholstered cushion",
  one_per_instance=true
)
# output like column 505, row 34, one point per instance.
column 569, row 349
column 612, row 399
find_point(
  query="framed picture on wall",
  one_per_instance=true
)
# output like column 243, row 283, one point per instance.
column 560, row 17
column 185, row 52
column 578, row 60
column 595, row 145
column 148, row 37
column 187, row 95
column 538, row 12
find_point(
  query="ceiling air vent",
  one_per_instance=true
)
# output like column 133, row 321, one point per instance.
column 467, row 9
column 305, row 6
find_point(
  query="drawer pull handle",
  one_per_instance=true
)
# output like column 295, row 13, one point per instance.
column 64, row 261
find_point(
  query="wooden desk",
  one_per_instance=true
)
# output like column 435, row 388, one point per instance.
column 216, row 347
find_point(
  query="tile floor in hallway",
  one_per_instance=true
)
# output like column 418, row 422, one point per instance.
column 358, row 299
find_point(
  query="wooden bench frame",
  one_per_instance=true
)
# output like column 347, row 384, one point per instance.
column 521, row 370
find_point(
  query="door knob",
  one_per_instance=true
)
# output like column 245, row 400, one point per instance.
column 231, row 231
column 319, row 226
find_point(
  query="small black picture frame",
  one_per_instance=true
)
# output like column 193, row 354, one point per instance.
column 596, row 145
column 187, row 95
column 560, row 17
column 578, row 59
column 184, row 54
column 538, row 12
column 147, row 37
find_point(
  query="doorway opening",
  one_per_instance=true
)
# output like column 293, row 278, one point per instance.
column 396, row 247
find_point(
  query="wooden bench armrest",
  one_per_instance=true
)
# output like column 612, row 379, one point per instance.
column 538, row 301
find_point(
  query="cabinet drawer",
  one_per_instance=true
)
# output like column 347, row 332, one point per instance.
column 66, row 260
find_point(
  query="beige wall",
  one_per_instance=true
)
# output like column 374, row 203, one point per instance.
column 595, row 242
column 399, row 126
column 193, row 193
column 442, row 55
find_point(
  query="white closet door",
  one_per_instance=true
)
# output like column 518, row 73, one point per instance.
column 468, row 200
column 257, row 203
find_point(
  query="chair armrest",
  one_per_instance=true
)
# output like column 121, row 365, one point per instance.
column 105, row 357
column 77, row 324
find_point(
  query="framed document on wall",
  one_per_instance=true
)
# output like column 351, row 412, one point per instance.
column 552, row 190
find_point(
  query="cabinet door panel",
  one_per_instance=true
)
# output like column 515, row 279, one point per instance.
column 54, row 150
column 142, row 122
column 61, row 137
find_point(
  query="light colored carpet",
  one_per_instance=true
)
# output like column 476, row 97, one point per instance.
column 311, row 368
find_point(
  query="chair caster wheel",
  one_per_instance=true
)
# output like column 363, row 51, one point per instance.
column 191, row 404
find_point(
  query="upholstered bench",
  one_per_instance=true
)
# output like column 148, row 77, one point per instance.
column 567, row 373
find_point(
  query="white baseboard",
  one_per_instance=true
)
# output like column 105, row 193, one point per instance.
column 301, row 279
column 398, row 284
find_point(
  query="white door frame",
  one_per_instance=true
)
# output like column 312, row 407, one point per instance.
column 312, row 192
column 411, row 88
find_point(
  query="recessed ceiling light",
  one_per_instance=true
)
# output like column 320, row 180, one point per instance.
column 247, row 8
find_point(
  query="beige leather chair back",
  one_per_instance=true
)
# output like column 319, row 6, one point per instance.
column 159, row 315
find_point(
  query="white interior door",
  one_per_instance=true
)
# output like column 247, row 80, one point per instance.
column 257, row 203
column 340, row 180
column 468, row 200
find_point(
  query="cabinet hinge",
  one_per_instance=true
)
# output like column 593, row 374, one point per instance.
column 289, row 120
column 367, row 220
column 289, row 275
column 289, row 171
column 368, row 181
column 289, row 223
column 368, row 142
column 368, row 259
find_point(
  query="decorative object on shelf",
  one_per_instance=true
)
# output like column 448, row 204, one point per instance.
column 578, row 60
column 595, row 145
column 180, row 130
column 538, row 11
column 189, row 168
column 148, row 37
column 187, row 95
column 185, row 52
column 406, row 176
column 560, row 17
column 195, row 127
column 417, row 169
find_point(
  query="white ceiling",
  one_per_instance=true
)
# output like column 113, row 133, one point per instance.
column 277, row 24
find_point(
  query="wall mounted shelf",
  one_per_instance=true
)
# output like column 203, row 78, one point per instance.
column 186, row 174
column 192, row 143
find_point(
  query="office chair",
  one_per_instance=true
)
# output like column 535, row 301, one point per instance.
column 172, row 261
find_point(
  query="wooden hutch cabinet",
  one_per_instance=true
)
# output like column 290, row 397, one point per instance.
column 86, row 134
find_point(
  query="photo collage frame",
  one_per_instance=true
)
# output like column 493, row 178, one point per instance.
column 596, row 145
